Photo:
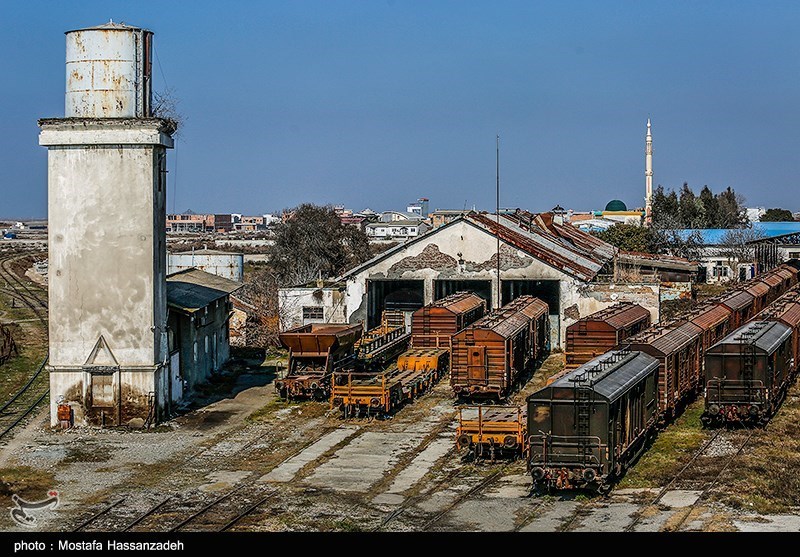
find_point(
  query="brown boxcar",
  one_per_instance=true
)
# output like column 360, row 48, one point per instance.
column 748, row 373
column 489, row 355
column 740, row 303
column 601, row 331
column 678, row 345
column 435, row 324
column 760, row 291
column 786, row 310
column 315, row 351
column 714, row 319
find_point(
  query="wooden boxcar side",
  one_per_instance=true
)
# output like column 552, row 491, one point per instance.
column 601, row 331
column 489, row 355
column 678, row 345
column 435, row 324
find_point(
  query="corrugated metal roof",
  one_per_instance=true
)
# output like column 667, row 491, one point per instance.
column 192, row 289
column 657, row 261
column 788, row 313
column 767, row 335
column 737, row 300
column 204, row 252
column 620, row 315
column 512, row 317
column 540, row 247
column 772, row 279
column 460, row 302
column 709, row 315
column 758, row 288
column 609, row 375
column 669, row 337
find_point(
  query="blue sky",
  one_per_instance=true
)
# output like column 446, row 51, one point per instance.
column 376, row 103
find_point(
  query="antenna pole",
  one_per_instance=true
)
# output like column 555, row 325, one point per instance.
column 497, row 217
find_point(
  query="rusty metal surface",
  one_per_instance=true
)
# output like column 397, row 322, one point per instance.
column 759, row 288
column 737, row 300
column 319, row 338
column 435, row 324
column 513, row 317
column 571, row 261
column 108, row 72
column 619, row 316
column 709, row 315
column 667, row 338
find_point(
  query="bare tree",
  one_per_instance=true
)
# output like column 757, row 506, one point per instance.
column 736, row 248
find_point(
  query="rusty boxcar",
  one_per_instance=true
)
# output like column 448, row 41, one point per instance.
column 741, row 305
column 434, row 324
column 488, row 356
column 714, row 319
column 601, row 331
column 589, row 425
column 678, row 346
column 315, row 351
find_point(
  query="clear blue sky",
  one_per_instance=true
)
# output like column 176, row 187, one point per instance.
column 373, row 104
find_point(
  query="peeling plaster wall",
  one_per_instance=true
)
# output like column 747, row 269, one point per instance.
column 107, row 263
column 599, row 295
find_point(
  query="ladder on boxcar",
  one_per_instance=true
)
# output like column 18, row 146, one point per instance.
column 747, row 353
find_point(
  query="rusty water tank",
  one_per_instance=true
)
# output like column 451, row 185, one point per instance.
column 108, row 72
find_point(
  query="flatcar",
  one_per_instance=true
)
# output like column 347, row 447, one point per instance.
column 488, row 357
column 315, row 351
column 592, row 423
column 749, row 371
column 678, row 346
column 601, row 331
column 434, row 324
column 380, row 394
column 492, row 431
column 381, row 345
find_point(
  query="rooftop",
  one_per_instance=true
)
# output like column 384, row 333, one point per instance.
column 192, row 289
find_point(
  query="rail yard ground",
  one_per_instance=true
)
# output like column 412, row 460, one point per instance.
column 241, row 459
column 302, row 468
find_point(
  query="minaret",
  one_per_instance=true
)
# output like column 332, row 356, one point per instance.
column 106, row 174
column 648, row 176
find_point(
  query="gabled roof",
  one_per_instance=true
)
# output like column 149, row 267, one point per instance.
column 192, row 289
column 569, row 250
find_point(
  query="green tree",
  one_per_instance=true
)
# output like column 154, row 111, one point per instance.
column 710, row 207
column 631, row 237
column 777, row 215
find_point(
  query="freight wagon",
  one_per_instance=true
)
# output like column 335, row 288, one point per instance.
column 435, row 324
column 489, row 356
column 492, row 431
column 315, row 351
column 592, row 423
column 601, row 331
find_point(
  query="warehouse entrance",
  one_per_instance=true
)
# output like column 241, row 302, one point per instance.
column 482, row 288
column 549, row 291
column 403, row 295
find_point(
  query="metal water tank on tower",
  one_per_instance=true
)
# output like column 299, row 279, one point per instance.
column 108, row 72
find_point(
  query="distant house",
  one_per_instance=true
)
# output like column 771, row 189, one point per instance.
column 397, row 230
column 443, row 216
column 392, row 216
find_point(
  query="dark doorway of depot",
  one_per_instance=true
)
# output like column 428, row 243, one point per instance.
column 403, row 295
column 548, row 291
column 483, row 288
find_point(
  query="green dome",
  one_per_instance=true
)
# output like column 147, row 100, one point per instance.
column 616, row 205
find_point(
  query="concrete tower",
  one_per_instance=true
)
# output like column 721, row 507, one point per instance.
column 106, row 165
column 648, row 176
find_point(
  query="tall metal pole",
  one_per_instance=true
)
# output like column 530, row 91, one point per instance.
column 497, row 217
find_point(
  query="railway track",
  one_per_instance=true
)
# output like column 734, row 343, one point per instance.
column 36, row 390
column 707, row 487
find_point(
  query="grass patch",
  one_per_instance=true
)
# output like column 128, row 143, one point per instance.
column 29, row 483
column 765, row 479
column 264, row 413
column 87, row 453
column 671, row 450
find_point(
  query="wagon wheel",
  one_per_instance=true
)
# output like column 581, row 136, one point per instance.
column 604, row 489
